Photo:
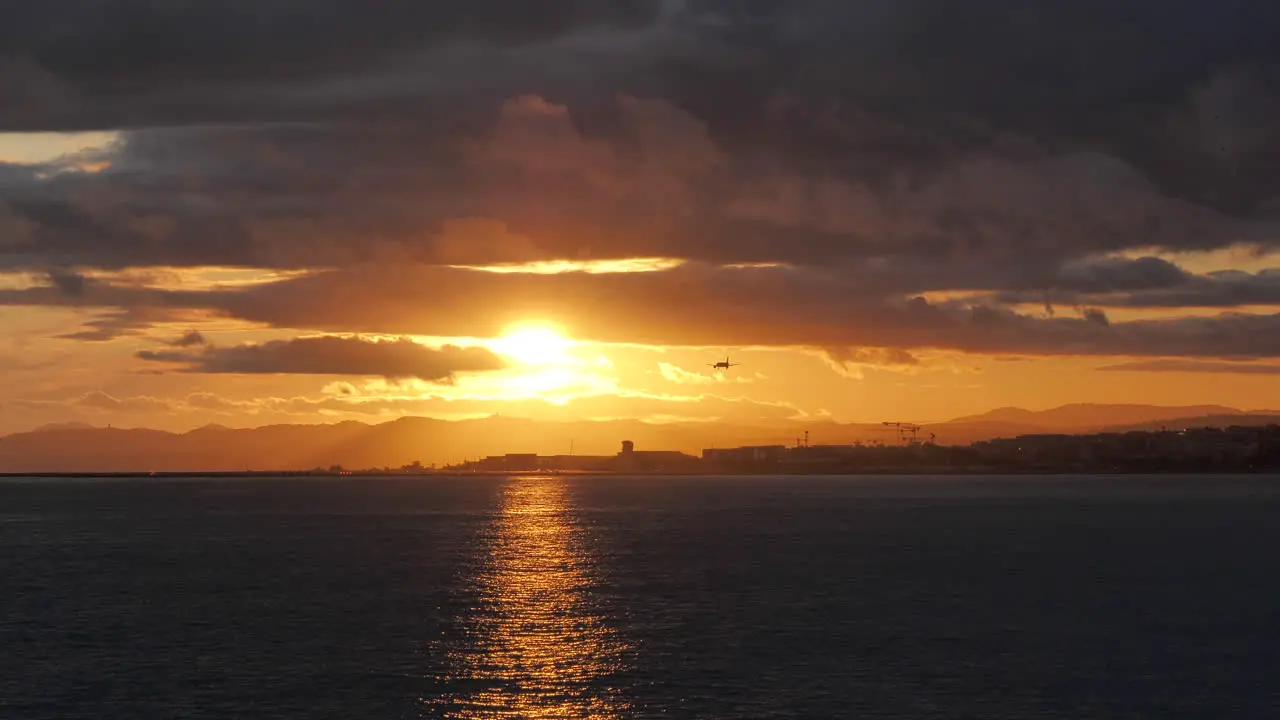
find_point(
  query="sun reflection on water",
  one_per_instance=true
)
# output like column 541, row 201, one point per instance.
column 540, row 647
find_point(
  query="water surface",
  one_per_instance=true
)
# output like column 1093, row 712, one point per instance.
column 757, row 597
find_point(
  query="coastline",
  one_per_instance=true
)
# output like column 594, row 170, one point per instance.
column 870, row 472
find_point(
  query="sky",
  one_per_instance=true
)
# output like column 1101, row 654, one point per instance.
column 297, row 212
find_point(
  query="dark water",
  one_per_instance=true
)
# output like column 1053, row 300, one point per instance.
column 641, row 597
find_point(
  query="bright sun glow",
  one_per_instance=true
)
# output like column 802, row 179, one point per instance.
column 534, row 345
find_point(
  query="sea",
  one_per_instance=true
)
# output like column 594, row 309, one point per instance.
column 640, row 597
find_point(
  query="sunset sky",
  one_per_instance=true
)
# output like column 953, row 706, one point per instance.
column 256, row 213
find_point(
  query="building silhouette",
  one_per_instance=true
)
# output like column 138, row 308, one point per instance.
column 1231, row 449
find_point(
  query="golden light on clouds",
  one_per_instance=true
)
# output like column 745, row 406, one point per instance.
column 593, row 267
column 1246, row 257
column 21, row 280
column 554, row 385
column 43, row 147
column 1124, row 314
column 207, row 277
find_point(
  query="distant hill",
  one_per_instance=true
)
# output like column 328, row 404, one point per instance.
column 1085, row 416
column 350, row 444
column 76, row 447
column 1202, row 421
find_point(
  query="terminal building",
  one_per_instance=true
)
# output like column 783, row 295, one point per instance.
column 744, row 457
column 632, row 460
column 627, row 460
column 1252, row 448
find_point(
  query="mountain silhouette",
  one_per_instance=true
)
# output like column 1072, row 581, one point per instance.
column 1083, row 416
column 75, row 447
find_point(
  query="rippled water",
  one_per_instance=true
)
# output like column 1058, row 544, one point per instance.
column 559, row 597
column 539, row 643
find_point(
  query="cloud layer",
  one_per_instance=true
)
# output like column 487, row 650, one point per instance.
column 918, row 174
column 330, row 355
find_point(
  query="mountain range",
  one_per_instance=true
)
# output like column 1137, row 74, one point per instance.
column 81, row 448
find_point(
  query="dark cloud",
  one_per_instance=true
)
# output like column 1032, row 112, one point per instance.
column 1094, row 72
column 190, row 339
column 71, row 284
column 1130, row 286
column 117, row 323
column 707, row 306
column 701, row 305
column 1033, row 67
column 693, row 304
column 1227, row 288
column 798, row 131
column 1096, row 316
column 690, row 305
column 114, row 63
column 883, row 150
column 16, row 231
column 1120, row 275
column 538, row 186
column 331, row 355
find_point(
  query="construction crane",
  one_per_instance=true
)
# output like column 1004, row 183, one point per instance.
column 905, row 431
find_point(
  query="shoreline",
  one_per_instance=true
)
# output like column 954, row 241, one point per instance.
column 883, row 472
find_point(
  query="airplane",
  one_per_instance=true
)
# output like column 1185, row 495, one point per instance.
column 726, row 364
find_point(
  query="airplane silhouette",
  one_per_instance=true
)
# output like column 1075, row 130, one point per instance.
column 726, row 364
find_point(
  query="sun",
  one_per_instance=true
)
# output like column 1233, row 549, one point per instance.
column 534, row 345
